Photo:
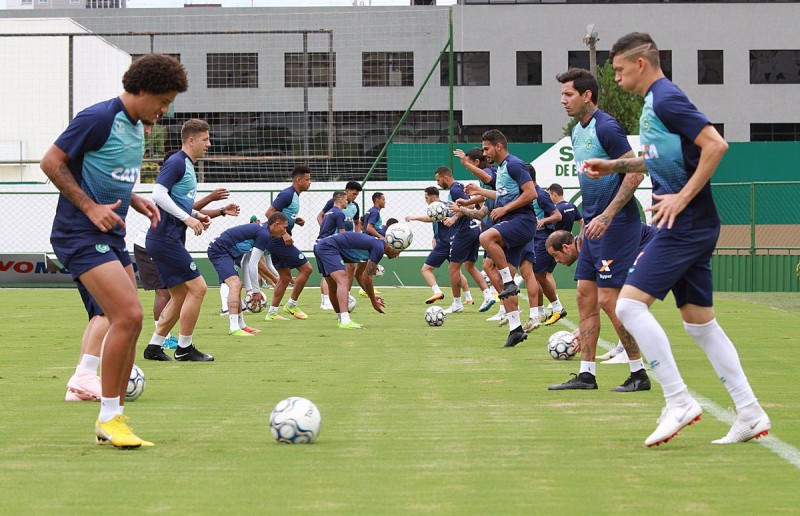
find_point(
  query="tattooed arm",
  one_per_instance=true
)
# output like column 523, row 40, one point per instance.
column 598, row 226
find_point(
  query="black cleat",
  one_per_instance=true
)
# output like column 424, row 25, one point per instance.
column 192, row 354
column 515, row 336
column 509, row 289
column 582, row 381
column 638, row 381
column 153, row 352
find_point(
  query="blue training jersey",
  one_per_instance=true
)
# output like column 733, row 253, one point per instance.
column 543, row 207
column 602, row 138
column 462, row 223
column 350, row 240
column 178, row 177
column 351, row 213
column 668, row 127
column 105, row 149
column 288, row 203
column 332, row 222
column 240, row 240
column 511, row 175
column 486, row 222
column 373, row 216
column 569, row 214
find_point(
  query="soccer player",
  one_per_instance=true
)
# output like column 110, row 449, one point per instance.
column 681, row 152
column 174, row 194
column 94, row 164
column 285, row 256
column 331, row 253
column 352, row 222
column 236, row 243
column 371, row 221
column 332, row 221
column 569, row 212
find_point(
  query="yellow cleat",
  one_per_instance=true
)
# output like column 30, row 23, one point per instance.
column 240, row 333
column 352, row 325
column 273, row 316
column 117, row 433
column 434, row 298
column 295, row 312
column 363, row 293
column 555, row 317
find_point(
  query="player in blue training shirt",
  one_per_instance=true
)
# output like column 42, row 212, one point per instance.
column 232, row 246
column 94, row 164
column 371, row 221
column 285, row 256
column 612, row 231
column 681, row 151
column 352, row 222
column 569, row 212
column 332, row 220
column 332, row 252
column 174, row 193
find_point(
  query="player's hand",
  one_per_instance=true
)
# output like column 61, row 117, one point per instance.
column 195, row 225
column 232, row 209
column 598, row 226
column 471, row 189
column 667, row 210
column 596, row 168
column 539, row 224
column 257, row 299
column 300, row 221
column 460, row 155
column 104, row 217
column 146, row 208
column 579, row 241
column 205, row 219
column 498, row 213
column 449, row 221
column 287, row 238
column 219, row 194
column 409, row 218
column 378, row 303
column 577, row 340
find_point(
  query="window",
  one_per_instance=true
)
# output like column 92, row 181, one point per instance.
column 529, row 68
column 580, row 58
column 42, row 2
column 74, row 2
column 720, row 129
column 238, row 70
column 775, row 67
column 471, row 69
column 665, row 56
column 321, row 68
column 784, row 132
column 387, row 69
column 709, row 67
column 27, row 2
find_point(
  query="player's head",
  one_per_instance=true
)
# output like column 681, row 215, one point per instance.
column 578, row 90
column 153, row 81
column 379, row 200
column 390, row 251
column 444, row 177
column 477, row 157
column 301, row 177
column 352, row 188
column 339, row 199
column 495, row 145
column 531, row 171
column 561, row 246
column 556, row 191
column 636, row 62
column 195, row 138
column 431, row 194
column 277, row 223
column 169, row 154
column 390, row 222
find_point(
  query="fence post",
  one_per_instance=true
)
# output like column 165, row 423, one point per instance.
column 752, row 268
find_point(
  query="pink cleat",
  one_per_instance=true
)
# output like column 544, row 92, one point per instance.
column 83, row 386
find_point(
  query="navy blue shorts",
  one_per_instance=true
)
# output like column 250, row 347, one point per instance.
column 544, row 261
column 223, row 262
column 285, row 256
column 529, row 253
column 464, row 246
column 438, row 255
column 89, row 303
column 174, row 263
column 83, row 259
column 677, row 259
column 328, row 259
column 606, row 260
column 517, row 233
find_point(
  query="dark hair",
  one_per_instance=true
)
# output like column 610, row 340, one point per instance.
column 353, row 185
column 556, row 188
column 432, row 190
column 495, row 136
column 558, row 238
column 376, row 196
column 169, row 154
column 390, row 222
column 443, row 171
column 477, row 153
column 581, row 80
column 300, row 170
column 532, row 171
column 276, row 217
column 637, row 44
column 193, row 127
column 338, row 194
column 155, row 74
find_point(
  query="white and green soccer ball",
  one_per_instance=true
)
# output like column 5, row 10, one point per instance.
column 399, row 236
column 435, row 316
column 351, row 303
column 136, row 384
column 437, row 211
column 295, row 420
column 561, row 345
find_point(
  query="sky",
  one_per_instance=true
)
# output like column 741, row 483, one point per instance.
column 267, row 3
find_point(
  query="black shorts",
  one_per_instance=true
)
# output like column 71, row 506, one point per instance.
column 148, row 273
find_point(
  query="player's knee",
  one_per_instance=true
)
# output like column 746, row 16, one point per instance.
column 628, row 310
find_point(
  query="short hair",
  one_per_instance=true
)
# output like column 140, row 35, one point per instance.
column 390, row 222
column 432, row 191
column 193, row 127
column 531, row 170
column 277, row 217
column 476, row 153
column 300, row 170
column 155, row 74
column 169, row 154
column 376, row 196
column 556, row 189
column 635, row 44
column 581, row 80
column 337, row 195
column 495, row 136
column 443, row 171
column 558, row 238
column 353, row 185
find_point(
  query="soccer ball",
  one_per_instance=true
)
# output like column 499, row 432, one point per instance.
column 135, row 384
column 253, row 307
column 399, row 236
column 295, row 421
column 351, row 303
column 435, row 316
column 379, row 271
column 437, row 211
column 561, row 345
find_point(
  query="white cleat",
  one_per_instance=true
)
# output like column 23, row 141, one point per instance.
column 452, row 309
column 502, row 322
column 673, row 420
column 326, row 305
column 742, row 431
column 620, row 358
column 531, row 324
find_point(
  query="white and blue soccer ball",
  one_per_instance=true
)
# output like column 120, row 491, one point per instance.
column 435, row 316
column 437, row 211
column 380, row 271
column 250, row 305
column 295, row 421
column 561, row 345
column 351, row 303
column 399, row 236
column 136, row 384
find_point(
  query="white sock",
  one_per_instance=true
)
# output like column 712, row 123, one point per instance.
column 109, row 407
column 224, row 289
column 557, row 305
column 344, row 317
column 487, row 293
column 89, row 363
column 291, row 303
column 457, row 302
column 588, row 367
column 620, row 347
column 502, row 310
column 273, row 310
column 723, row 357
column 234, row 322
column 436, row 289
column 184, row 341
column 540, row 311
column 121, row 410
column 513, row 320
column 640, row 323
column 157, row 340
column 240, row 320
column 468, row 295
column 636, row 365
column 505, row 274
column 326, row 298
column 534, row 313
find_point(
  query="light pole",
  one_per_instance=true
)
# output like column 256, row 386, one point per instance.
column 590, row 39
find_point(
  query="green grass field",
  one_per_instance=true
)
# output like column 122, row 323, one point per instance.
column 415, row 419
